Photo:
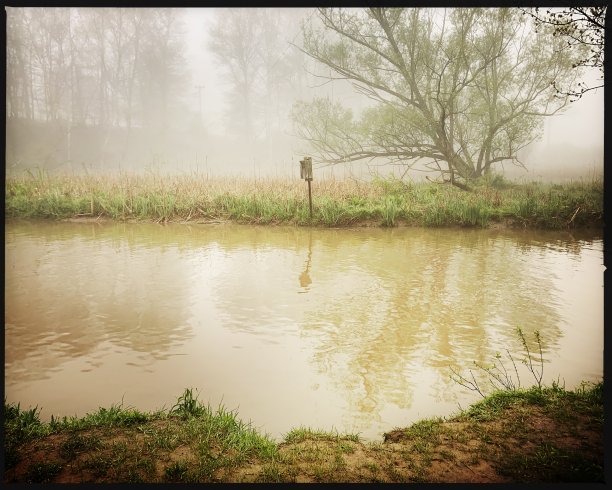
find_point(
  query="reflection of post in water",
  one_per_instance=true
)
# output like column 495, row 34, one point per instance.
column 305, row 280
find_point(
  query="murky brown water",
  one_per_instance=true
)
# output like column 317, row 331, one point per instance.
column 352, row 330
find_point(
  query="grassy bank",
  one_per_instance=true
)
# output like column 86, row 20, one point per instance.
column 535, row 435
column 282, row 201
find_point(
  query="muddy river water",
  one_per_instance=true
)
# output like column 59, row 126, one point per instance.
column 352, row 330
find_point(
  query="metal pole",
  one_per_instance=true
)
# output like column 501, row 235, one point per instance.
column 310, row 198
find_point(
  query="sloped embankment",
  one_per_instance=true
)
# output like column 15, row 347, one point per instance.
column 536, row 435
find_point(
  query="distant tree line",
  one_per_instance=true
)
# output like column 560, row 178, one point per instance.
column 96, row 84
column 101, row 67
column 263, row 71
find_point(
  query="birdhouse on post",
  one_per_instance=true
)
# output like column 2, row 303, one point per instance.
column 306, row 174
column 306, row 168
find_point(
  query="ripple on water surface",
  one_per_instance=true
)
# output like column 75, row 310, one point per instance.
column 348, row 329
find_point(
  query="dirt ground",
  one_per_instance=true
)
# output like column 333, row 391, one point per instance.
column 524, row 445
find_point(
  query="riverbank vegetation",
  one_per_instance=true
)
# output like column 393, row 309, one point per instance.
column 381, row 202
column 541, row 434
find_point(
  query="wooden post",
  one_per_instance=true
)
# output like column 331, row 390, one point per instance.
column 310, row 198
column 306, row 174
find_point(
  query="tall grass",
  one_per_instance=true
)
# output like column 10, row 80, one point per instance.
column 381, row 202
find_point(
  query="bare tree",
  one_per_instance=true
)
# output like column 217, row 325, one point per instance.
column 102, row 70
column 19, row 83
column 234, row 40
column 281, row 62
column 579, row 27
column 162, row 77
column 254, row 46
column 49, row 35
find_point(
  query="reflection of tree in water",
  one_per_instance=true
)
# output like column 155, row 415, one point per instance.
column 66, row 295
column 384, row 305
column 387, row 304
column 417, row 299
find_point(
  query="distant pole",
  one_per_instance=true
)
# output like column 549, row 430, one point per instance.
column 306, row 174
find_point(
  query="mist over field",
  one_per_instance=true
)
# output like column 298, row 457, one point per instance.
column 207, row 90
column 287, row 244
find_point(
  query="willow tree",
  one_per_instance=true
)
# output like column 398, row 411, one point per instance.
column 459, row 90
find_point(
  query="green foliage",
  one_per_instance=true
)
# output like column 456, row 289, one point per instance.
column 23, row 420
column 559, row 404
column 20, row 426
column 528, row 360
column 220, row 428
column 425, row 428
column 324, row 119
column 502, row 377
column 392, row 185
column 235, row 434
column 300, row 434
column 496, row 181
column 404, row 59
column 492, row 405
column 77, row 443
column 115, row 416
column 549, row 463
column 390, row 211
column 331, row 212
column 592, row 393
column 177, row 471
column 43, row 472
column 187, row 405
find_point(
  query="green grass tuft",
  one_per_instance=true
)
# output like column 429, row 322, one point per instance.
column 302, row 433
column 43, row 472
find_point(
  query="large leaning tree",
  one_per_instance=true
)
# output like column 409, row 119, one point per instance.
column 459, row 90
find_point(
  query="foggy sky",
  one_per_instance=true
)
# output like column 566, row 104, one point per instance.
column 583, row 120
column 579, row 129
column 572, row 140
